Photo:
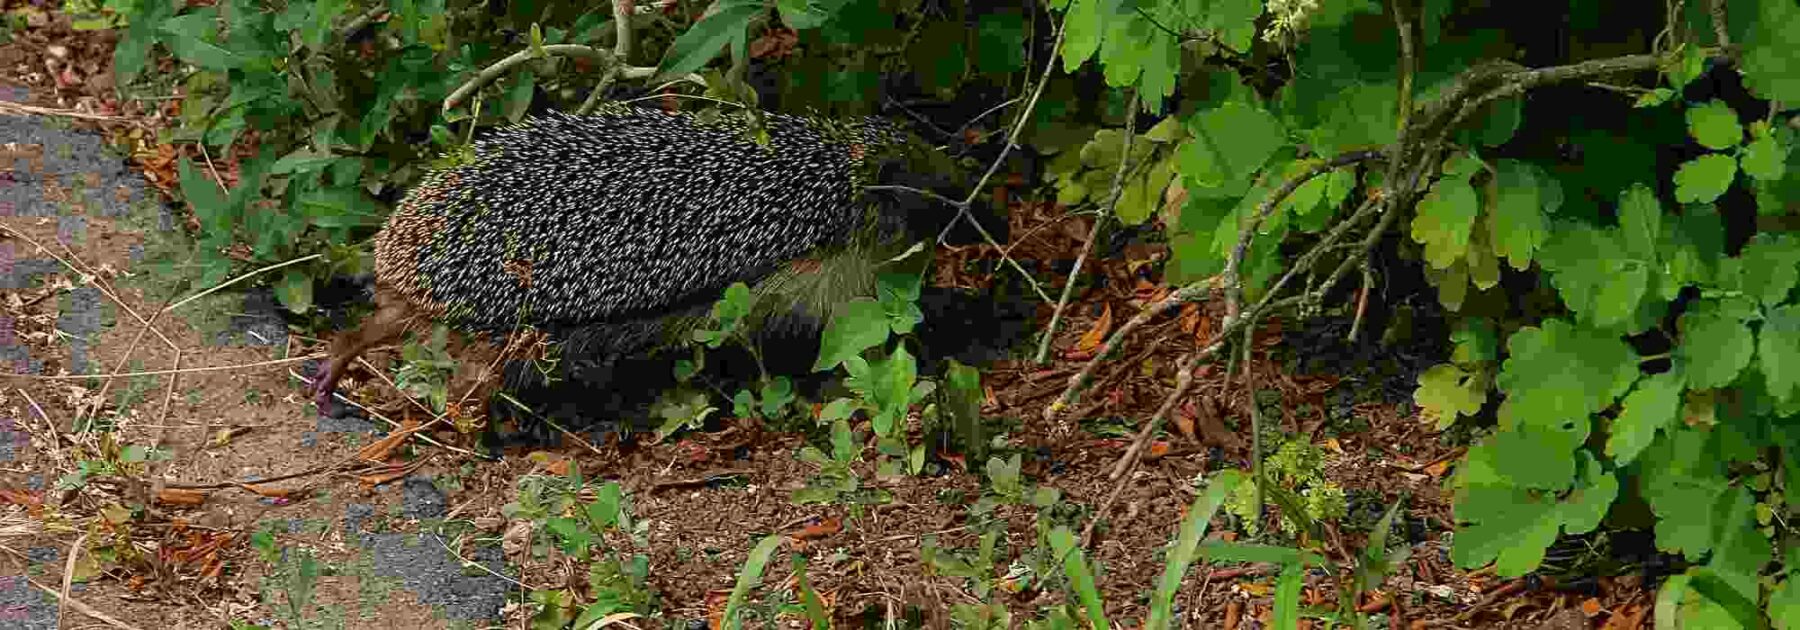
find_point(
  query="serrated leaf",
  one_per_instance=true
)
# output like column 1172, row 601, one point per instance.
column 1703, row 179
column 1519, row 225
column 1764, row 159
column 1595, row 276
column 1083, row 27
column 1445, row 217
column 1716, row 345
column 1445, row 392
column 1714, row 125
column 1651, row 407
column 1584, row 508
column 1771, row 51
column 1769, row 267
column 1778, row 351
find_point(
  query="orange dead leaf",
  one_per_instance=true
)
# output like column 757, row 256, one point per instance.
column 1157, row 449
column 1097, row 334
column 1234, row 610
column 824, row 528
column 380, row 450
column 1184, row 420
column 175, row 496
column 1438, row 469
column 1255, row 589
column 1590, row 607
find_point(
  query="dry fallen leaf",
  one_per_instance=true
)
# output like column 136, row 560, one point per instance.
column 1097, row 334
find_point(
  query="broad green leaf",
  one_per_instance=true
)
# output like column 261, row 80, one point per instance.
column 1716, row 345
column 1641, row 221
column 1559, row 373
column 705, row 39
column 1703, row 179
column 518, row 97
column 295, row 290
column 1000, row 46
column 1771, row 51
column 861, row 325
column 1778, row 351
column 1594, row 275
column 1083, row 27
column 1769, row 267
column 1519, row 225
column 1286, row 603
column 1784, row 602
column 1714, row 125
column 1764, row 159
column 302, row 160
column 1504, row 525
column 1444, row 220
column 1446, row 392
column 1651, row 407
column 807, row 14
column 1229, row 143
column 1583, row 508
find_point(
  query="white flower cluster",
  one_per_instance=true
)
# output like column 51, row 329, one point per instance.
column 1290, row 18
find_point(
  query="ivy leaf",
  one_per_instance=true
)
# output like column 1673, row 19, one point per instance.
column 1444, row 219
column 1446, row 392
column 1779, row 351
column 1651, row 407
column 1519, row 225
column 1714, row 125
column 1703, row 179
column 1764, row 159
column 1715, row 344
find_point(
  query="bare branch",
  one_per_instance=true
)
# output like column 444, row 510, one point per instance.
column 1106, row 211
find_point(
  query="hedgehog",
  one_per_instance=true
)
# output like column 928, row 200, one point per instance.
column 592, row 225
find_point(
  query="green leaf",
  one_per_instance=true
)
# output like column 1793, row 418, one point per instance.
column 1771, row 51
column 1714, row 125
column 1519, row 227
column 1286, row 602
column 1229, row 143
column 1764, row 159
column 1651, row 407
column 1716, row 345
column 1641, row 221
column 1445, row 392
column 1778, row 351
column 1504, row 525
column 1075, row 566
column 807, row 14
column 1083, row 28
column 295, row 290
column 190, row 40
column 748, row 577
column 1769, row 267
column 1185, row 551
column 1703, row 179
column 302, row 160
column 999, row 47
column 1444, row 220
column 705, row 39
column 1583, row 509
column 859, row 326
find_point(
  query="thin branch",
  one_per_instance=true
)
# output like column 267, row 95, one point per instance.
column 1184, row 380
column 1256, row 432
column 1012, row 140
column 1409, row 62
column 492, row 72
column 1233, row 284
column 1717, row 9
column 238, row 279
column 1106, row 210
column 1005, row 256
column 217, row 368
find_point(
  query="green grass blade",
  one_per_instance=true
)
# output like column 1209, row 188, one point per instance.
column 1075, row 566
column 1182, row 556
column 749, row 577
